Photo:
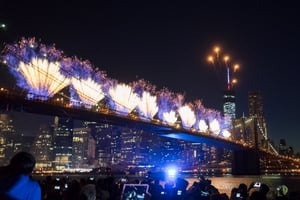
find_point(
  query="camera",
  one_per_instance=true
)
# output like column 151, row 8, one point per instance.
column 134, row 191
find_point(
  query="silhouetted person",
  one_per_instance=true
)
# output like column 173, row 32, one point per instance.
column 88, row 192
column 261, row 193
column 15, row 181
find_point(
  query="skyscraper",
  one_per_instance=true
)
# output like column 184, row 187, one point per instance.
column 229, row 109
column 84, row 148
column 255, row 104
column 7, row 136
column 42, row 148
column 62, row 146
column 256, row 112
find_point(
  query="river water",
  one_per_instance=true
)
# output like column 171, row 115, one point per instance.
column 225, row 183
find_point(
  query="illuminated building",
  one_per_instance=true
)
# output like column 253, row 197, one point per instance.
column 62, row 145
column 101, row 132
column 229, row 109
column 84, row 147
column 42, row 148
column 7, row 136
column 256, row 112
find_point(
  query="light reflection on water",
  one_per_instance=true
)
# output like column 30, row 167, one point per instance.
column 225, row 183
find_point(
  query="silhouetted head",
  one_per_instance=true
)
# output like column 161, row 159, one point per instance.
column 22, row 163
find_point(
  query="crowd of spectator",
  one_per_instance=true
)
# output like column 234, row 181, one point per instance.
column 109, row 188
column 16, row 183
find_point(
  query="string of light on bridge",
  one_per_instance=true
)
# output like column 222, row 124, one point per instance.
column 43, row 71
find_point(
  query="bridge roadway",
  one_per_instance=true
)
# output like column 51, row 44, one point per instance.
column 17, row 102
column 246, row 160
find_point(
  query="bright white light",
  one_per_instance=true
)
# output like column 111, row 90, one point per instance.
column 187, row 115
column 214, row 127
column 203, row 127
column 147, row 105
column 171, row 172
column 43, row 76
column 170, row 117
column 89, row 92
column 124, row 97
column 226, row 133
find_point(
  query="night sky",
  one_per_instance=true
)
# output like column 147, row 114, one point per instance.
column 167, row 43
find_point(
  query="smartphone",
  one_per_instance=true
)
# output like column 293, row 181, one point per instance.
column 238, row 195
column 134, row 191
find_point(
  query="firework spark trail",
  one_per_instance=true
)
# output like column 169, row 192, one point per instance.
column 203, row 127
column 89, row 92
column 124, row 100
column 147, row 105
column 214, row 127
column 168, row 104
column 43, row 77
column 187, row 116
column 199, row 111
column 36, row 67
column 141, row 85
column 170, row 117
column 84, row 87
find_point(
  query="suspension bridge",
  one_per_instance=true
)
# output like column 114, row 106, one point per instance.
column 50, row 83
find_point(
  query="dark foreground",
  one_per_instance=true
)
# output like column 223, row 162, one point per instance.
column 120, row 187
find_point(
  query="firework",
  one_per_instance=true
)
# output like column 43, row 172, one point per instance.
column 87, row 83
column 147, row 105
column 214, row 127
column 226, row 133
column 44, row 71
column 89, row 92
column 200, row 111
column 187, row 116
column 168, row 101
column 203, row 127
column 36, row 68
column 123, row 99
column 170, row 117
column 141, row 86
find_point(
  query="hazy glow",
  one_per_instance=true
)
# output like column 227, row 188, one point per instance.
column 43, row 77
column 226, row 133
column 124, row 100
column 203, row 127
column 187, row 115
column 214, row 126
column 170, row 117
column 147, row 105
column 89, row 92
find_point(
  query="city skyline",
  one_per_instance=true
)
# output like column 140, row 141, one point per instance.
column 167, row 44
